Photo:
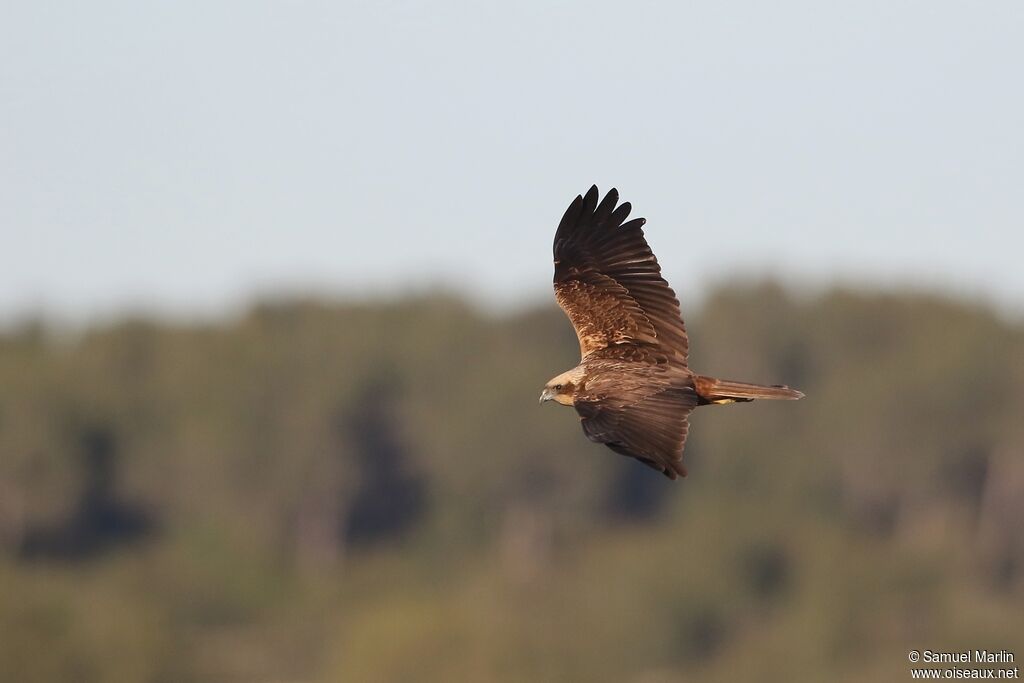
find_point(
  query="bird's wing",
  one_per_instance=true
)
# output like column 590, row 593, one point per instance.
column 638, row 409
column 609, row 283
column 651, row 429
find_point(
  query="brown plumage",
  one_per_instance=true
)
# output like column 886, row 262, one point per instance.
column 632, row 389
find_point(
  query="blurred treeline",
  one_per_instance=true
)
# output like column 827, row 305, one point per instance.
column 322, row 491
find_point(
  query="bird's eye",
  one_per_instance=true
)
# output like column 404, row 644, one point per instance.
column 558, row 387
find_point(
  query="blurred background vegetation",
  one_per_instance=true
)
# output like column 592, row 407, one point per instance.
column 325, row 490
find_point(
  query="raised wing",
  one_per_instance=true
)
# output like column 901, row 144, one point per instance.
column 609, row 283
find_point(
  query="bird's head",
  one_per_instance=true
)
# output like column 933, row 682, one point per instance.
column 561, row 389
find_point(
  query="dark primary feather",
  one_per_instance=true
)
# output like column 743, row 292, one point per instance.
column 609, row 282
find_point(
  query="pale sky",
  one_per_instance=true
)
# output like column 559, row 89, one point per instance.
column 185, row 157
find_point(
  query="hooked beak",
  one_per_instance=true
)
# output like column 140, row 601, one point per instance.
column 546, row 395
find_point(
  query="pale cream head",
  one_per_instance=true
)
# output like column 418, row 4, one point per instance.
column 561, row 389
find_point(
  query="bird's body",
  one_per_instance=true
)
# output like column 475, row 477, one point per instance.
column 633, row 389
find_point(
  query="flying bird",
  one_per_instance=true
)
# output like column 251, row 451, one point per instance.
column 632, row 389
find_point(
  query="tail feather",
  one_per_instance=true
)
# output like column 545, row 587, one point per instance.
column 714, row 390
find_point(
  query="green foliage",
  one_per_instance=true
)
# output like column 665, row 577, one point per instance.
column 320, row 492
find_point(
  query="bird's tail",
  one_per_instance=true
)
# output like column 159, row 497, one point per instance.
column 713, row 390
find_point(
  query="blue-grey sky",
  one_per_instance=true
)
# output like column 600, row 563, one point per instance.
column 187, row 156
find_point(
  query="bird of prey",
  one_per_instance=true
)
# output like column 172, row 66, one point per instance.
column 632, row 388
